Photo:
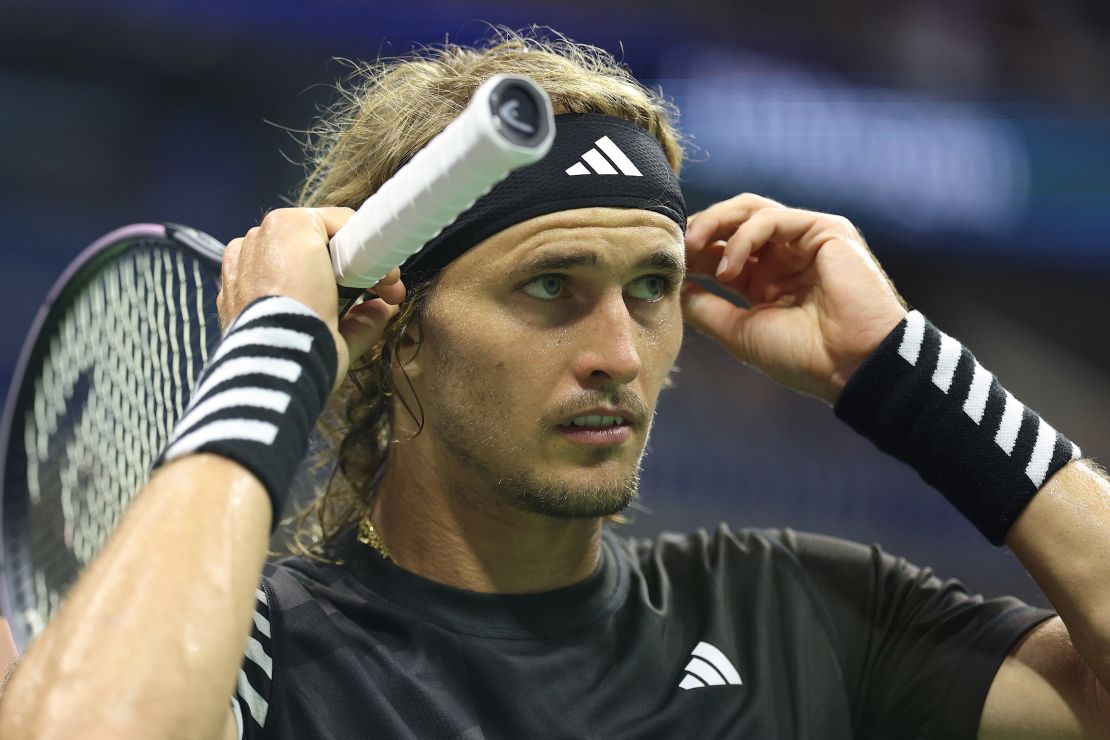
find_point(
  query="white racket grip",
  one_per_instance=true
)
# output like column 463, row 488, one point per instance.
column 471, row 155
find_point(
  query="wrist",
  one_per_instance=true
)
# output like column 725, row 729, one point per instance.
column 864, row 344
column 924, row 399
column 260, row 394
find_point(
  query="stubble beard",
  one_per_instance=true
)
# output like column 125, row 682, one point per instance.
column 561, row 500
column 532, row 492
column 472, row 441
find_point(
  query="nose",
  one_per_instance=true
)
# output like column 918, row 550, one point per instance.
column 608, row 354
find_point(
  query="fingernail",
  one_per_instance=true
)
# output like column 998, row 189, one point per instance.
column 722, row 266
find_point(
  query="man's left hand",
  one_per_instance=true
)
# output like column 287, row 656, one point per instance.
column 819, row 302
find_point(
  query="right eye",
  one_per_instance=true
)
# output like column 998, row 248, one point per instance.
column 545, row 287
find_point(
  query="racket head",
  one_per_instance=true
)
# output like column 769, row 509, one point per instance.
column 104, row 372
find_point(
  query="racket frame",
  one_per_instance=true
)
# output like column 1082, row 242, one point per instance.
column 15, row 549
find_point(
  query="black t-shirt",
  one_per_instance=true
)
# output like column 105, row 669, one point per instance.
column 751, row 634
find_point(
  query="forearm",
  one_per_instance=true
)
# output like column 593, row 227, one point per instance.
column 1063, row 539
column 149, row 641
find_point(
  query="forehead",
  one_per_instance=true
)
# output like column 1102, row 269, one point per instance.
column 618, row 236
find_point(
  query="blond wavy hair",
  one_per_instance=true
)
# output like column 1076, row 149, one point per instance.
column 387, row 111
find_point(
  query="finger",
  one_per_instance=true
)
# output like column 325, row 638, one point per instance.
column 720, row 220
column 230, row 260
column 364, row 325
column 705, row 262
column 391, row 292
column 697, row 236
column 690, row 220
column 220, row 309
column 791, row 227
column 284, row 223
column 229, row 268
column 393, row 276
column 333, row 217
column 248, row 242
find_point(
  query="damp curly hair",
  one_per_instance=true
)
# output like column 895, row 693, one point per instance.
column 386, row 111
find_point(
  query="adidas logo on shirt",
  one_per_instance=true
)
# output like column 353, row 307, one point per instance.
column 598, row 164
column 708, row 666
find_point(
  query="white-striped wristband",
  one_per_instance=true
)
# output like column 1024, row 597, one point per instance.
column 923, row 398
column 260, row 393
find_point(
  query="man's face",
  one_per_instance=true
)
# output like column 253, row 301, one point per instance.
column 569, row 315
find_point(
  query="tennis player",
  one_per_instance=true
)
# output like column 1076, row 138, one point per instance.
column 458, row 579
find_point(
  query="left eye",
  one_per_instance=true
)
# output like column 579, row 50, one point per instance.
column 648, row 288
column 545, row 287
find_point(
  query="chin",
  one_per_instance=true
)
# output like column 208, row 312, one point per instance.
column 588, row 496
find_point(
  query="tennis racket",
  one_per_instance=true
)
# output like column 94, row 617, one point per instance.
column 116, row 348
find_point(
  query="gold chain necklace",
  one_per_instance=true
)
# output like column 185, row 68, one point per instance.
column 369, row 536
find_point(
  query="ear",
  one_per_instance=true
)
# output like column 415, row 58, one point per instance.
column 409, row 355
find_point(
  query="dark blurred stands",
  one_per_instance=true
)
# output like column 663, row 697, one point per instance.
column 970, row 140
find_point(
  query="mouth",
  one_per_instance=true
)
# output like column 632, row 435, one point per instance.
column 595, row 421
column 596, row 430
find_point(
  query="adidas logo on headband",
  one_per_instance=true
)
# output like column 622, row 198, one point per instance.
column 601, row 165
column 611, row 145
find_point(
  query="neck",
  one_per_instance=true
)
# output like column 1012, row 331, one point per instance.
column 466, row 537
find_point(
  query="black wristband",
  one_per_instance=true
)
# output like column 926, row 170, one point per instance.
column 923, row 398
column 260, row 393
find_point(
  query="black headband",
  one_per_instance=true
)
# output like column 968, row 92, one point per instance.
column 596, row 160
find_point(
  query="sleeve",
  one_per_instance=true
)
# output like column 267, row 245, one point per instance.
column 251, row 699
column 919, row 653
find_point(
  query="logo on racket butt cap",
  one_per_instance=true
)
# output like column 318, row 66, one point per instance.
column 519, row 111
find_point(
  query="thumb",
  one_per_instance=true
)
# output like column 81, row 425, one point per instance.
column 716, row 317
column 364, row 325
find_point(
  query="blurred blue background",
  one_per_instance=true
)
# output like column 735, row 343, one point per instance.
column 969, row 140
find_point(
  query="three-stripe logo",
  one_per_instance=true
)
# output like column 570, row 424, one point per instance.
column 602, row 166
column 708, row 666
column 985, row 390
column 202, row 423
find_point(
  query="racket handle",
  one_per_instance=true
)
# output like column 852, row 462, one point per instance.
column 508, row 123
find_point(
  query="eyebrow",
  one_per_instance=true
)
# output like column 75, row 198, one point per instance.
column 662, row 260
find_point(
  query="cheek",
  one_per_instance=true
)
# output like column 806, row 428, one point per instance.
column 663, row 341
column 482, row 371
column 476, row 380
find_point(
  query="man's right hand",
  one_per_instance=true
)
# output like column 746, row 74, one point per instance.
column 149, row 641
column 287, row 254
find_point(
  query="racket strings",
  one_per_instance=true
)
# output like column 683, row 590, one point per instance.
column 126, row 351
